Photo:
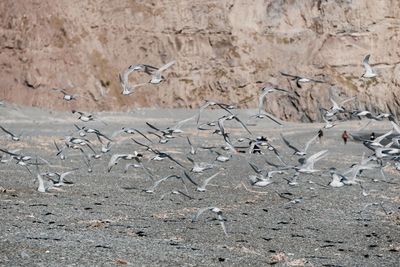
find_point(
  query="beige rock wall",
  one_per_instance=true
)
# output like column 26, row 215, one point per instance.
column 225, row 50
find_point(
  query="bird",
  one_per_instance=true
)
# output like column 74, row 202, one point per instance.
column 202, row 187
column 156, row 76
column 299, row 79
column 83, row 117
column 157, row 183
column 264, row 91
column 192, row 148
column 199, row 167
column 159, row 154
column 61, row 176
column 66, row 96
column 296, row 150
column 369, row 72
column 13, row 136
column 338, row 180
column 263, row 178
column 214, row 210
column 117, row 157
column 211, row 103
column 307, row 164
column 124, row 77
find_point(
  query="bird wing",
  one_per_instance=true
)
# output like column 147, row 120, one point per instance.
column 314, row 158
column 190, row 178
column 367, row 67
column 113, row 160
column 206, row 181
column 7, row 132
column 309, row 142
column 347, row 100
column 199, row 212
column 254, row 167
column 166, row 66
column 289, row 145
column 243, row 125
column 288, row 75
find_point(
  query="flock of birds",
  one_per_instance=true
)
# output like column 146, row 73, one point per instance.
column 385, row 149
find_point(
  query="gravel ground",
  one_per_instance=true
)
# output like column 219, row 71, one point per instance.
column 106, row 219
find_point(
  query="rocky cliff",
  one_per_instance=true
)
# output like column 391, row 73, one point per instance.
column 225, row 50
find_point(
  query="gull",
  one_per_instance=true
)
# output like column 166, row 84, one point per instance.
column 93, row 131
column 124, row 78
column 211, row 103
column 376, row 143
column 83, row 117
column 4, row 159
column 106, row 147
column 266, row 115
column 157, row 183
column 328, row 124
column 61, row 176
column 60, row 152
column 369, row 72
column 307, row 164
column 363, row 113
column 262, row 179
column 66, row 97
column 161, row 139
column 336, row 107
column 156, row 77
column 177, row 127
column 13, row 136
column 300, row 79
column 159, row 154
column 117, row 157
column 128, row 90
column 200, row 167
column 215, row 210
column 192, row 149
column 139, row 166
column 222, row 158
column 21, row 159
column 396, row 127
column 338, row 180
column 231, row 117
column 202, row 188
column 356, row 170
column 265, row 91
column 42, row 188
column 167, row 133
column 177, row 192
column 296, row 150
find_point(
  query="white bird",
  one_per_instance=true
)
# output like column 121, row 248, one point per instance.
column 201, row 188
column 199, row 167
column 157, row 183
column 299, row 79
column 264, row 92
column 13, row 136
column 117, row 157
column 307, row 165
column 66, row 96
column 215, row 210
column 296, row 150
column 338, row 180
column 369, row 72
column 328, row 124
column 156, row 77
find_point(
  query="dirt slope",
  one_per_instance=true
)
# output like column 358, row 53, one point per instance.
column 222, row 48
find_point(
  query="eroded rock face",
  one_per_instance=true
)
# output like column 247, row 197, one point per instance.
column 225, row 50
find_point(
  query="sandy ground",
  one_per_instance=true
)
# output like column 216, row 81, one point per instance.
column 106, row 219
